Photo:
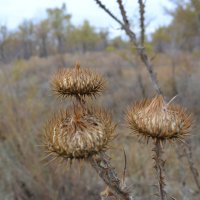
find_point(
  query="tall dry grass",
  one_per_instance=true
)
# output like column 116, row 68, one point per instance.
column 26, row 102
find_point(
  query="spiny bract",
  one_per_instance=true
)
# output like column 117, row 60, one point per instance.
column 79, row 132
column 78, row 82
column 156, row 119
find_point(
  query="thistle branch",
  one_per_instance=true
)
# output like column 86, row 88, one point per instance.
column 123, row 12
column 140, row 49
column 101, row 164
column 142, row 19
column 101, row 5
column 124, row 26
column 159, row 167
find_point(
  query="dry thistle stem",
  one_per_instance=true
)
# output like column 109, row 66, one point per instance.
column 101, row 163
column 77, row 82
column 156, row 119
column 159, row 167
column 160, row 121
column 79, row 132
column 125, row 25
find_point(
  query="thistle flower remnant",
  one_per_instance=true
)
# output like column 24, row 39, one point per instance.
column 77, row 82
column 82, row 132
column 156, row 119
column 79, row 133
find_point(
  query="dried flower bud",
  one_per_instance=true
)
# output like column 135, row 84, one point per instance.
column 77, row 82
column 156, row 119
column 79, row 132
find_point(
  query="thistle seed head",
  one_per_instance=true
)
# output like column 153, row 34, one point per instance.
column 77, row 82
column 79, row 132
column 156, row 119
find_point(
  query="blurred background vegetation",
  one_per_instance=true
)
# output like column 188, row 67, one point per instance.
column 33, row 52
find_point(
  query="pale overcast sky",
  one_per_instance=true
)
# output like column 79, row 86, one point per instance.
column 13, row 12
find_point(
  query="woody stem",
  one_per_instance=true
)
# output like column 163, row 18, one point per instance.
column 159, row 167
column 101, row 164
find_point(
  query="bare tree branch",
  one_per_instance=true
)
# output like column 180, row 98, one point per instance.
column 101, row 5
column 142, row 19
column 123, row 12
column 159, row 167
column 101, row 163
column 140, row 49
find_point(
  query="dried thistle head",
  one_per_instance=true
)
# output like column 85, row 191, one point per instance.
column 156, row 119
column 79, row 133
column 77, row 82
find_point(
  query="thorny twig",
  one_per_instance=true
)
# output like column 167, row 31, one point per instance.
column 142, row 19
column 123, row 12
column 159, row 167
column 132, row 36
column 125, row 25
column 108, row 12
column 101, row 163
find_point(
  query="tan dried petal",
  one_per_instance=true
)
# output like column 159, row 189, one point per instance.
column 79, row 82
column 156, row 119
column 79, row 132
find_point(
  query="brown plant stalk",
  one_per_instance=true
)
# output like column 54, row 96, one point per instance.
column 132, row 36
column 142, row 20
column 82, row 132
column 125, row 25
column 145, row 59
column 161, row 122
column 101, row 164
column 159, row 167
